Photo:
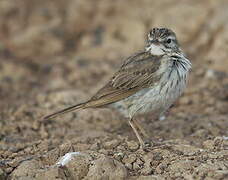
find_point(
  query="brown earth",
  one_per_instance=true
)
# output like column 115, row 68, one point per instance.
column 58, row 53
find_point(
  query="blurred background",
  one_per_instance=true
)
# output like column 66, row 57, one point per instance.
column 58, row 53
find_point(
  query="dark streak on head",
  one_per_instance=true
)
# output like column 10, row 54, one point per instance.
column 164, row 36
column 161, row 33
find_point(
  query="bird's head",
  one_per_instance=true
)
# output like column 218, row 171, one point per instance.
column 161, row 41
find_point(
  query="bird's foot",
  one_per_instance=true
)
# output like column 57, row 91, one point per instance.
column 149, row 144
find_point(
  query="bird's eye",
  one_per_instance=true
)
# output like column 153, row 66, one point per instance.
column 169, row 41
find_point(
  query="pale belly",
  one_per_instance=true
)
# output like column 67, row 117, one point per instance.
column 155, row 99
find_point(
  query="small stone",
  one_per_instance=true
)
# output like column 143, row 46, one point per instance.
column 95, row 146
column 213, row 144
column 106, row 168
column 118, row 156
column 111, row 144
column 103, row 151
column 132, row 145
column 138, row 164
column 209, row 144
column 78, row 165
column 26, row 169
column 128, row 160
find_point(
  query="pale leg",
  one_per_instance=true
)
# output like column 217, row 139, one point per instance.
column 140, row 128
column 136, row 133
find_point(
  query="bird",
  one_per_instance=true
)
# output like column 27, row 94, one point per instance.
column 150, row 80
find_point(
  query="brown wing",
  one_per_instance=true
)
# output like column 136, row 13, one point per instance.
column 136, row 73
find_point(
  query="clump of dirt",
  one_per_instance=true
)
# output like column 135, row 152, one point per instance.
column 57, row 53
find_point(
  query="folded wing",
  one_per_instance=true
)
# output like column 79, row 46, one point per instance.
column 137, row 72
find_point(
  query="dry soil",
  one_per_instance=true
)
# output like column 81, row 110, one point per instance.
column 57, row 53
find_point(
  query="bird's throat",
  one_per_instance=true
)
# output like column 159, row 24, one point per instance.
column 155, row 49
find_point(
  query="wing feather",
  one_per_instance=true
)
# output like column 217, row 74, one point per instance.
column 137, row 72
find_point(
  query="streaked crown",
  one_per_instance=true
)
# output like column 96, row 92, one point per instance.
column 163, row 36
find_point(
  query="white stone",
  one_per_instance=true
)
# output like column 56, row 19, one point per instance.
column 67, row 158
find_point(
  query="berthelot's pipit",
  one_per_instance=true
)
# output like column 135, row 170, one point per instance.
column 149, row 81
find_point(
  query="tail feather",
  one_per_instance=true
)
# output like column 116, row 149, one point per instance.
column 66, row 110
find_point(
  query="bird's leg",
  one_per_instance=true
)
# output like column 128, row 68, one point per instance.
column 142, row 130
column 131, row 122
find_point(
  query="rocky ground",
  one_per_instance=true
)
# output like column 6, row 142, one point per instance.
column 58, row 53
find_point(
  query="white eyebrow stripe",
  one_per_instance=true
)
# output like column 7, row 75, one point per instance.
column 171, row 37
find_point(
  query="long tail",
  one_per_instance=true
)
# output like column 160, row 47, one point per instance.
column 66, row 110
